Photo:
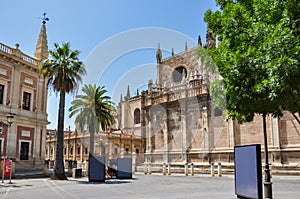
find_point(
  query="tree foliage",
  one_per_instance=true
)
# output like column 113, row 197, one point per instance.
column 63, row 70
column 258, row 55
column 93, row 109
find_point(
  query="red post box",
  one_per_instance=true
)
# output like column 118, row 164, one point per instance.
column 7, row 168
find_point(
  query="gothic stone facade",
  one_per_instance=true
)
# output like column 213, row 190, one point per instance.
column 178, row 122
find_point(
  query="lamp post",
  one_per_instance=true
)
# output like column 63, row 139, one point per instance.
column 267, row 182
column 10, row 118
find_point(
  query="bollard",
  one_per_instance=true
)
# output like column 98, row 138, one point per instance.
column 212, row 169
column 46, row 168
column 133, row 162
column 169, row 169
column 219, row 169
column 164, row 168
column 145, row 168
column 192, row 169
column 186, row 171
column 149, row 168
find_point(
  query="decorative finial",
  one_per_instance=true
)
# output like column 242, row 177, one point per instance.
column 45, row 18
column 199, row 41
column 158, row 54
column 186, row 47
column 17, row 46
column 210, row 40
column 127, row 97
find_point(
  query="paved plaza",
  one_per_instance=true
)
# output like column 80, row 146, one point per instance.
column 153, row 186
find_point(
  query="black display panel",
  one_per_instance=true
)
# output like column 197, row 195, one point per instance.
column 124, row 169
column 248, row 171
column 96, row 169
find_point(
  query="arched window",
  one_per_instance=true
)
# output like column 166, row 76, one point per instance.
column 179, row 73
column 137, row 116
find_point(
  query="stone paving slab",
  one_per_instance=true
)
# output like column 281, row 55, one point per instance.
column 154, row 186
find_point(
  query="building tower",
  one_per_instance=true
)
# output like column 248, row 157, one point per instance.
column 41, row 49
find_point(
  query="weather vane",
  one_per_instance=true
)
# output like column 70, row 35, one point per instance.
column 45, row 18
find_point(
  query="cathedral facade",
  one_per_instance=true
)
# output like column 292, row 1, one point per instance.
column 178, row 123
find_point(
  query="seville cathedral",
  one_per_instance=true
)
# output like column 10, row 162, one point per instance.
column 178, row 123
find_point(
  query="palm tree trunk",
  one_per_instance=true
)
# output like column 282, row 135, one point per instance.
column 92, row 135
column 59, row 171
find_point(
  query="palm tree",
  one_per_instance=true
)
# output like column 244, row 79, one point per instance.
column 63, row 71
column 94, row 110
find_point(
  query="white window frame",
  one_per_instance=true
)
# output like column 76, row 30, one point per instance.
column 2, row 146
column 29, row 151
column 5, row 92
column 31, row 99
column 3, row 71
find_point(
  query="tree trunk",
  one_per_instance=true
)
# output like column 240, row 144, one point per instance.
column 267, row 182
column 92, row 135
column 59, row 170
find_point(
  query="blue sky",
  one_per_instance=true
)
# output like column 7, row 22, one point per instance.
column 117, row 39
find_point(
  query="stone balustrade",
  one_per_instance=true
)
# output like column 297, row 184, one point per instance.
column 17, row 53
column 5, row 49
column 174, row 93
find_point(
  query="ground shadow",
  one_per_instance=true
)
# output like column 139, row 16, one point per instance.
column 109, row 181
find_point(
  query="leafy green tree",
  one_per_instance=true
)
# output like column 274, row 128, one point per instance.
column 93, row 109
column 63, row 71
column 258, row 56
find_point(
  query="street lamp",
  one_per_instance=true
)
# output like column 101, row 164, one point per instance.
column 10, row 118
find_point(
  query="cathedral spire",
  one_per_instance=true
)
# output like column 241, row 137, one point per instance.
column 210, row 40
column 41, row 49
column 158, row 54
column 121, row 98
column 127, row 97
column 199, row 41
column 186, row 47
